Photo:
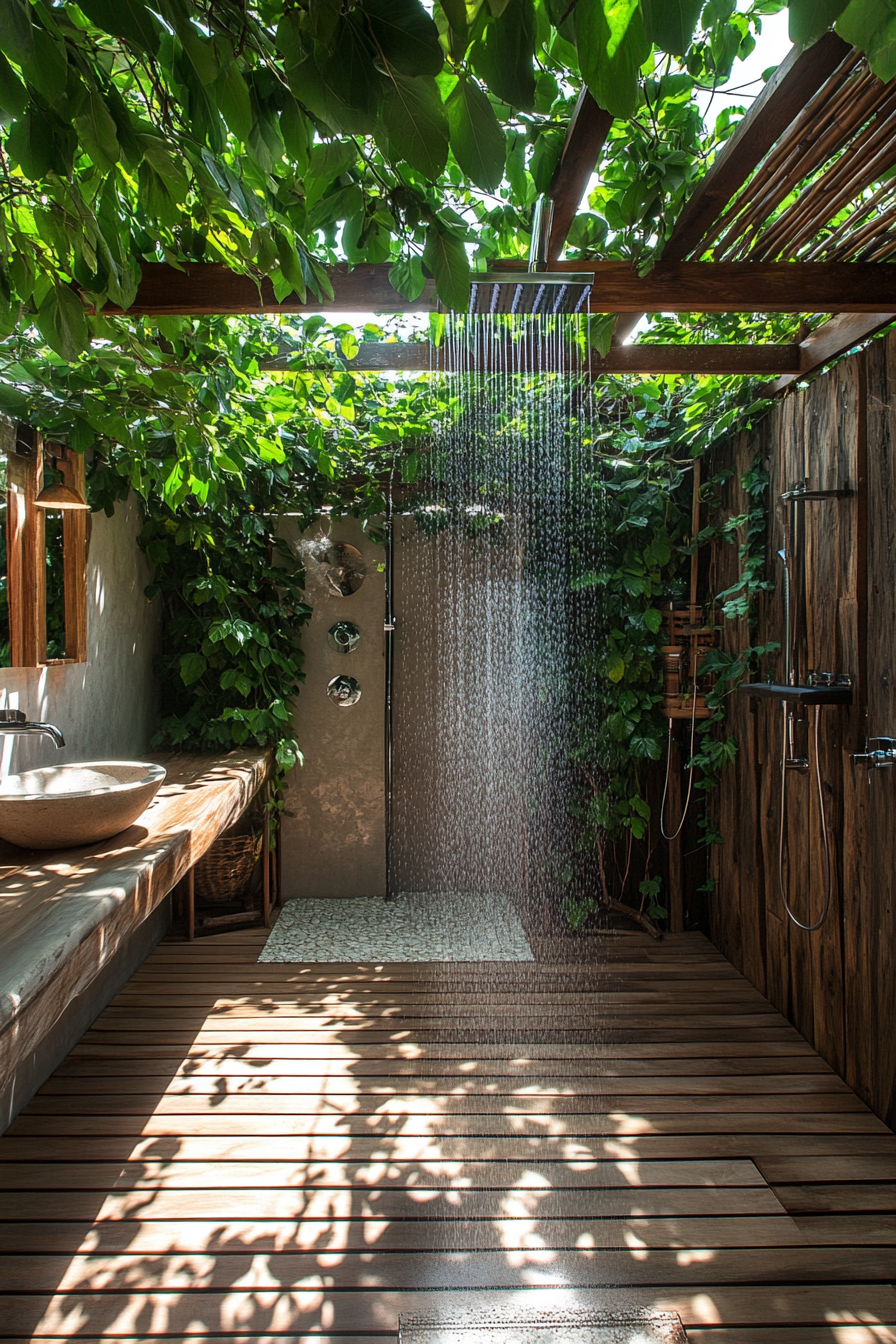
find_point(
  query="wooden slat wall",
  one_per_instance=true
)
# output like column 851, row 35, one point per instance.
column 837, row 985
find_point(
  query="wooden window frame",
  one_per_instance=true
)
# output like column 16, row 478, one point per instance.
column 26, row 553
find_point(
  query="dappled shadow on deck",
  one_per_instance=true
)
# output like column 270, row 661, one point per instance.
column 257, row 1151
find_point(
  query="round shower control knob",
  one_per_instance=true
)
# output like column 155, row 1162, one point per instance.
column 344, row 636
column 344, row 692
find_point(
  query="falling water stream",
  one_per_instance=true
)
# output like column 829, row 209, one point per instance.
column 491, row 631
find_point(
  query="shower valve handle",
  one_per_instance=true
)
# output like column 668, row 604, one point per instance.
column 877, row 757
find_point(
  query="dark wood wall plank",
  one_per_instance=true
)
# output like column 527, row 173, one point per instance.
column 838, row 986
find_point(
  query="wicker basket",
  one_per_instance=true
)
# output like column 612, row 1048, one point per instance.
column 224, row 872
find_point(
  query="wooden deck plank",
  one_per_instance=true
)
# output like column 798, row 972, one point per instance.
column 364, row 1310
column 258, row 1152
column 510, row 1232
column 451, row 1206
column 218, row 1163
column 448, row 1270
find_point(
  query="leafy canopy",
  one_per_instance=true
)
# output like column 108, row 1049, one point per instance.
column 277, row 135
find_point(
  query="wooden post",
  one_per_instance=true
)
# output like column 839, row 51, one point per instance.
column 15, row 537
column 266, row 873
column 74, row 542
column 695, row 532
column 191, row 904
column 673, row 810
column 26, row 554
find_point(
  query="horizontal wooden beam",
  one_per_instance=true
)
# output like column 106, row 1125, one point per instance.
column 698, row 359
column 585, row 139
column 707, row 287
column 835, row 338
column 421, row 357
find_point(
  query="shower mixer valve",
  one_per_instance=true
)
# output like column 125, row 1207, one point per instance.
column 877, row 757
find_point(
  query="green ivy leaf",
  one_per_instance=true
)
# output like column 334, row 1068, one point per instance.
column 16, row 30
column 13, row 94
column 809, row 19
column 477, row 139
column 546, row 156
column 612, row 46
column 326, row 162
column 445, row 257
column 31, row 143
column 46, row 68
column 348, row 73
column 601, row 333
column 670, row 24
column 415, row 123
column 62, row 322
column 615, row 666
column 192, row 667
column 405, row 35
column 505, row 55
column 296, row 134
column 128, row 19
column 406, row 277
column 653, row 619
column 235, row 102
column 870, row 25
column 97, row 131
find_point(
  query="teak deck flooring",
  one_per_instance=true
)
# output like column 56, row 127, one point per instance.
column 254, row 1152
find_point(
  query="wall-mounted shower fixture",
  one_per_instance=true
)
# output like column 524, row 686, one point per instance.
column 801, row 688
column 537, row 290
column 344, row 692
column 878, row 757
column 344, row 636
column 346, row 570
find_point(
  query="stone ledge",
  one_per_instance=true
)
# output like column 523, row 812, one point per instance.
column 65, row 913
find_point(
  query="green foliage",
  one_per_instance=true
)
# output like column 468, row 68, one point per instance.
column 647, row 435
column 275, row 137
column 179, row 413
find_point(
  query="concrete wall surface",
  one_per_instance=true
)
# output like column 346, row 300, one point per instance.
column 334, row 844
column 106, row 707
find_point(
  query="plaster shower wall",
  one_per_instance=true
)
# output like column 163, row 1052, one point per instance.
column 106, row 707
column 334, row 844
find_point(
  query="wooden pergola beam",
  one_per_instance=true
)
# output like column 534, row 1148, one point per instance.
column 720, row 287
column 421, row 357
column 795, row 81
column 585, row 139
column 832, row 339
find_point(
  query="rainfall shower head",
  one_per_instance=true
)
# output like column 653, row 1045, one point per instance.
column 537, row 290
column 530, row 292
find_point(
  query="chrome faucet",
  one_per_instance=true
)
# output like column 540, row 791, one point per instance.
column 877, row 757
column 14, row 721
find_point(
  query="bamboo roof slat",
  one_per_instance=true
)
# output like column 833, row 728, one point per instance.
column 854, row 123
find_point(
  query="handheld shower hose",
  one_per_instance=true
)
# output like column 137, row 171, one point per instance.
column 687, row 802
column 825, row 837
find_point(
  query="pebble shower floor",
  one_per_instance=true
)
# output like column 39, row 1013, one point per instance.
column 423, row 926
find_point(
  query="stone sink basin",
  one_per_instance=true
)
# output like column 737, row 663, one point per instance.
column 78, row 804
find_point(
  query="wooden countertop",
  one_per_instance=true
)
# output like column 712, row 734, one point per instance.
column 64, row 913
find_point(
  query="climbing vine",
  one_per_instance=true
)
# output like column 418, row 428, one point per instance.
column 652, row 435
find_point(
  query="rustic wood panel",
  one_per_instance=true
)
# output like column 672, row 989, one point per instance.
column 213, row 1178
column 838, row 985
